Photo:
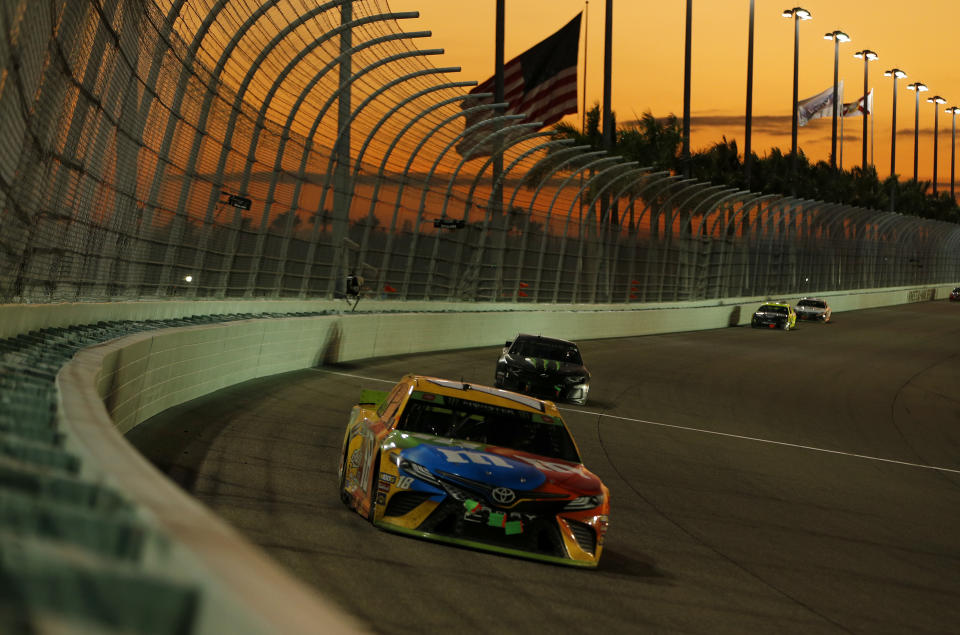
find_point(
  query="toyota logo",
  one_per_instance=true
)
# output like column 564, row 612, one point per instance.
column 503, row 495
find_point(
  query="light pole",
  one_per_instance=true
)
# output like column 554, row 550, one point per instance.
column 917, row 87
column 837, row 37
column 686, row 88
column 896, row 74
column 953, row 110
column 747, row 159
column 797, row 13
column 936, row 100
column 867, row 56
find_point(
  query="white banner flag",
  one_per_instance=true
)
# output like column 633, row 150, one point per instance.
column 818, row 106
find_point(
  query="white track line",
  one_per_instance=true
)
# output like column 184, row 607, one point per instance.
column 771, row 442
column 702, row 431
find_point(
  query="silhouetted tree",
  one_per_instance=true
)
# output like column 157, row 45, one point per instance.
column 656, row 143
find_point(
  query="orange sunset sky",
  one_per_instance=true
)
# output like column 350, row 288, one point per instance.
column 648, row 48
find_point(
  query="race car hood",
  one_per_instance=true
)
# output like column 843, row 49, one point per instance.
column 496, row 466
column 542, row 365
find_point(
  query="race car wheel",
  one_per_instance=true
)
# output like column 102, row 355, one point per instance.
column 374, row 483
column 344, row 497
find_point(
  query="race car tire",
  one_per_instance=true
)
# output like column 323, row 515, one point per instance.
column 374, row 483
column 344, row 497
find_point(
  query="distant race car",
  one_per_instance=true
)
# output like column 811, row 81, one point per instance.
column 544, row 367
column 775, row 315
column 813, row 309
column 955, row 295
column 474, row 466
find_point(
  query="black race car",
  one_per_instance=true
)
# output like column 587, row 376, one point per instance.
column 775, row 315
column 955, row 295
column 544, row 367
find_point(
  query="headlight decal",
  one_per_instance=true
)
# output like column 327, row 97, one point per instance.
column 584, row 502
column 418, row 471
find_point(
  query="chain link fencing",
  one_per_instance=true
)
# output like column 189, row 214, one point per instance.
column 270, row 148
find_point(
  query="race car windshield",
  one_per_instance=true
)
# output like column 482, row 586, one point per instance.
column 456, row 418
column 555, row 351
column 817, row 304
column 769, row 308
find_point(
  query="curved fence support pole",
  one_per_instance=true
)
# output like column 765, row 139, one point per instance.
column 411, row 254
column 665, row 239
column 651, row 211
column 217, row 182
column 358, row 162
column 698, row 250
column 715, row 263
column 504, row 218
column 588, row 165
column 581, row 239
column 455, row 290
column 498, row 185
column 241, row 187
column 344, row 123
column 601, row 243
column 380, row 177
column 651, row 179
column 674, row 218
column 404, row 176
column 738, row 278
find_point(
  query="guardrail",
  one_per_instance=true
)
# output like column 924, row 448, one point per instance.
column 93, row 535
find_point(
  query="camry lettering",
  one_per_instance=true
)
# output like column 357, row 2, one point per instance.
column 463, row 456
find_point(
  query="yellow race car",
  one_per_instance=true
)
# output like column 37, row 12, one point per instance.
column 775, row 315
column 474, row 466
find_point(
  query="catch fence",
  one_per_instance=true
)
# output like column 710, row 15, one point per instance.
column 271, row 148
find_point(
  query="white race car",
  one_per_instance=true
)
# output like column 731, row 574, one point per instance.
column 813, row 309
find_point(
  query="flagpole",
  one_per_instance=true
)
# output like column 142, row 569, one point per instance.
column 686, row 90
column 840, row 160
column 747, row 140
column 608, row 132
column 497, row 194
column 586, row 32
column 583, row 110
column 836, row 66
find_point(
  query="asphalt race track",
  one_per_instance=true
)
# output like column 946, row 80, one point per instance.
column 761, row 482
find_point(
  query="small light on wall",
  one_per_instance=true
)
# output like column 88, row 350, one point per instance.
column 188, row 278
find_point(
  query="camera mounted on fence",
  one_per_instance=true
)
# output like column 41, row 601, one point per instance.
column 352, row 285
column 235, row 200
column 449, row 223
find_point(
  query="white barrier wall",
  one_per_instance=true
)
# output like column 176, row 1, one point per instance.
column 147, row 373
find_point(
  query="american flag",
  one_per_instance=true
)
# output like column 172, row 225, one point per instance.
column 540, row 83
